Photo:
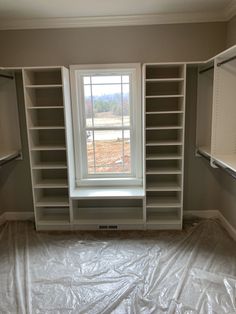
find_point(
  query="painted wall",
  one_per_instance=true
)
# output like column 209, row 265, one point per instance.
column 161, row 43
column 231, row 32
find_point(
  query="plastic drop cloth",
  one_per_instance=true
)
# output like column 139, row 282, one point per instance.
column 193, row 271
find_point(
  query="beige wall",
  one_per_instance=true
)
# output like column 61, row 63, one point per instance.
column 231, row 32
column 162, row 43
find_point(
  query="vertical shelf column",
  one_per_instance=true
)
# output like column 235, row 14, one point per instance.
column 44, row 101
column 164, row 97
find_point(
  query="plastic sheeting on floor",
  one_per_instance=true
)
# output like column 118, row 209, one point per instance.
column 193, row 271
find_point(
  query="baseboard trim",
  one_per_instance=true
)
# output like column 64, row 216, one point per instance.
column 11, row 216
column 212, row 214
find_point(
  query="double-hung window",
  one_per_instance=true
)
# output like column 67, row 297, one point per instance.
column 106, row 103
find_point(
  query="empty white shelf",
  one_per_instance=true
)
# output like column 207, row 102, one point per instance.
column 163, row 143
column 129, row 192
column 170, row 170
column 50, row 165
column 48, row 147
column 51, row 183
column 177, row 79
column 156, row 217
column 163, row 157
column 53, row 201
column 164, row 112
column 47, row 128
column 45, row 107
column 165, row 96
column 170, row 127
column 45, row 86
column 111, row 216
column 163, row 202
column 163, row 187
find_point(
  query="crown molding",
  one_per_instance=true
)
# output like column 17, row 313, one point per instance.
column 230, row 10
column 128, row 20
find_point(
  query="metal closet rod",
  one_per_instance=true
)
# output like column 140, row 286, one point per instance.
column 10, row 77
column 226, row 61
column 7, row 160
column 206, row 69
column 227, row 170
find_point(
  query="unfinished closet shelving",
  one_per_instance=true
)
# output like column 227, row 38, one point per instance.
column 164, row 112
column 44, row 91
column 10, row 141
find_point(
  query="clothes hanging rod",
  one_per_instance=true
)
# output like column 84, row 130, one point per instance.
column 10, row 158
column 226, row 61
column 203, row 155
column 206, row 69
column 10, row 77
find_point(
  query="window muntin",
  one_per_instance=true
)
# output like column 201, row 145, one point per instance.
column 107, row 124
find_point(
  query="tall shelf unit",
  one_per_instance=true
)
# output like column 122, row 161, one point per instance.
column 45, row 91
column 164, row 122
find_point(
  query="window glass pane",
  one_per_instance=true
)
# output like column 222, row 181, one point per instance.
column 106, row 79
column 86, row 79
column 88, row 105
column 107, row 105
column 126, row 104
column 125, row 78
column 111, row 153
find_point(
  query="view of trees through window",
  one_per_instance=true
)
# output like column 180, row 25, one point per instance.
column 107, row 111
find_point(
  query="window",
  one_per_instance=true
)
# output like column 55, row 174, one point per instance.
column 107, row 124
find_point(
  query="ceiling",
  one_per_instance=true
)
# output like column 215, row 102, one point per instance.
column 17, row 14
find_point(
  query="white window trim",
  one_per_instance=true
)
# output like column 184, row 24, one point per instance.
column 137, row 155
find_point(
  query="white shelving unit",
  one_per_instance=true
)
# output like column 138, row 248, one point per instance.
column 164, row 115
column 10, row 141
column 205, row 107
column 224, row 111
column 45, row 91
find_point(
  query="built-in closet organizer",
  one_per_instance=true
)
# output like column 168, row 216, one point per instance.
column 164, row 122
column 46, row 93
column 10, row 141
column 216, row 112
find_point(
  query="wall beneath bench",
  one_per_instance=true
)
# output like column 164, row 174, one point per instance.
column 160, row 43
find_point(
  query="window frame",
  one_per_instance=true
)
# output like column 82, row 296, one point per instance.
column 79, row 124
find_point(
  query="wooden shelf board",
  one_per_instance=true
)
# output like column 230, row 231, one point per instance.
column 113, row 215
column 44, row 86
column 44, row 147
column 164, row 112
column 108, row 193
column 162, row 187
column 45, row 107
column 47, row 128
column 164, row 143
column 50, row 165
column 53, row 202
column 170, row 127
column 170, row 170
column 174, row 79
column 163, row 157
column 162, row 202
column 165, row 96
column 55, row 183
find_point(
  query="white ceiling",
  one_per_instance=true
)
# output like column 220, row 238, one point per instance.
column 53, row 13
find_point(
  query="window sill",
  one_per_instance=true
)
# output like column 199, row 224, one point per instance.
column 107, row 192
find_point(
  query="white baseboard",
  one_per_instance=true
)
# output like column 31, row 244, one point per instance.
column 7, row 216
column 212, row 214
column 10, row 216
